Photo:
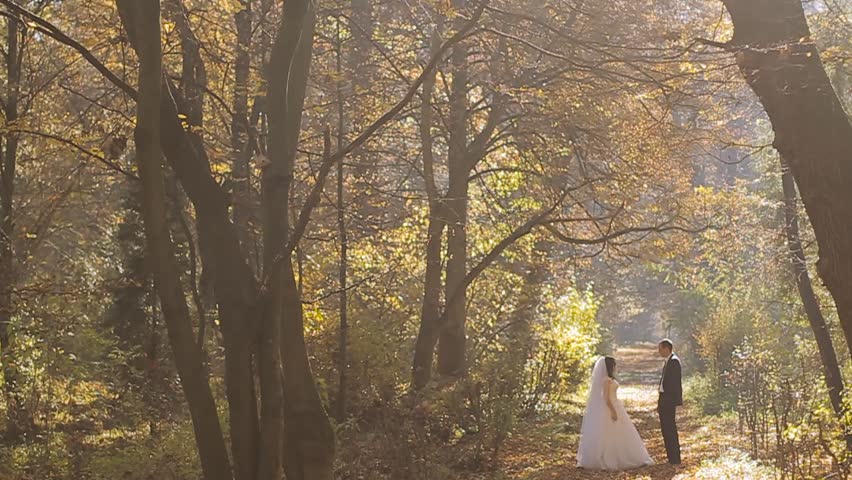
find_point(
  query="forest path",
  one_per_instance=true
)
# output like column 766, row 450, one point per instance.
column 548, row 451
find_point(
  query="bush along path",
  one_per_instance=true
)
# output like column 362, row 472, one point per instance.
column 711, row 447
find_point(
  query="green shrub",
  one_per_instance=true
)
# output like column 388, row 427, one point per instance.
column 709, row 394
column 566, row 340
column 169, row 456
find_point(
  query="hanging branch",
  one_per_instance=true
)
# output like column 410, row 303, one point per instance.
column 34, row 21
column 111, row 165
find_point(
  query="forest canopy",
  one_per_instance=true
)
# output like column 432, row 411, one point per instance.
column 314, row 240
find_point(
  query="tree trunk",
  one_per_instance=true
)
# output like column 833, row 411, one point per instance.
column 242, row 148
column 781, row 64
column 343, row 339
column 244, row 443
column 360, row 24
column 452, row 339
column 18, row 418
column 269, row 358
column 831, row 369
column 308, row 436
column 234, row 285
column 430, row 310
column 521, row 347
column 188, row 356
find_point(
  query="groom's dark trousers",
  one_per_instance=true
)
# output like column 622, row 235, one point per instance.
column 669, row 427
column 671, row 396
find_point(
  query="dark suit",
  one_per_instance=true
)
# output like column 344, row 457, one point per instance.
column 671, row 397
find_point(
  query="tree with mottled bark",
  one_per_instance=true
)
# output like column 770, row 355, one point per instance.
column 780, row 61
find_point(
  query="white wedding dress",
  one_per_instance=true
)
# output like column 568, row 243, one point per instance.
column 606, row 444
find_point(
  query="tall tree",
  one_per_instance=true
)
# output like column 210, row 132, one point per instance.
column 18, row 419
column 430, row 310
column 309, row 438
column 452, row 338
column 781, row 63
column 188, row 356
column 342, row 233
column 449, row 211
column 352, row 78
column 262, row 321
column 831, row 369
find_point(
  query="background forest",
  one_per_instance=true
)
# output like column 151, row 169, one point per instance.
column 386, row 239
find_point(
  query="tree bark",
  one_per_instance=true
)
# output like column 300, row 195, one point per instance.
column 189, row 359
column 781, row 64
column 308, row 436
column 240, row 125
column 18, row 418
column 831, row 369
column 430, row 310
column 452, row 338
column 242, row 396
column 234, row 284
column 342, row 280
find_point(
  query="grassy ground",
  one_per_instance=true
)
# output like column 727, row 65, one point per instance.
column 548, row 451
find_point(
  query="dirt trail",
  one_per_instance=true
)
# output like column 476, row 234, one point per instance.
column 548, row 451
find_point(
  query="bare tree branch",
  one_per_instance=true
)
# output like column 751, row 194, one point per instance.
column 316, row 192
column 65, row 141
column 35, row 21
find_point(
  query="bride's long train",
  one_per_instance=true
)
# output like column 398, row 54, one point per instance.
column 606, row 444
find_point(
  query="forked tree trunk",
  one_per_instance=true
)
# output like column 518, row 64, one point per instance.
column 189, row 359
column 308, row 436
column 447, row 328
column 234, row 286
column 244, row 442
column 781, row 64
column 831, row 370
column 430, row 310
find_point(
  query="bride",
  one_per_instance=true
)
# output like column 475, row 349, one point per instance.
column 608, row 439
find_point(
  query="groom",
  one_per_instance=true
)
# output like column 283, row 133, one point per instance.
column 671, row 397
